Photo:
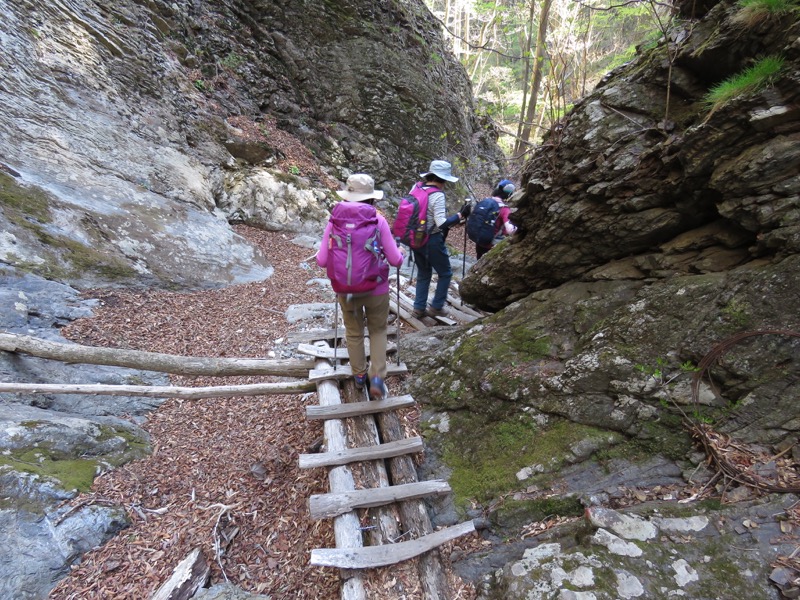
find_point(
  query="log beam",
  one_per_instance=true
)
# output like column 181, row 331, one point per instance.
column 322, row 506
column 161, row 391
column 153, row 361
column 372, row 557
column 357, row 409
column 349, row 455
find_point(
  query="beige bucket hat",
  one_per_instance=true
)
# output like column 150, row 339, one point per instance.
column 360, row 187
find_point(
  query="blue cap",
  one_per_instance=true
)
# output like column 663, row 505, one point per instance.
column 507, row 187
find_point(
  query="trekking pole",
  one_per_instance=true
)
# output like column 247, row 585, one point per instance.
column 335, row 330
column 398, row 315
column 464, row 263
column 464, row 259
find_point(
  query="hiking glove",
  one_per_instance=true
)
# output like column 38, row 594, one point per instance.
column 465, row 210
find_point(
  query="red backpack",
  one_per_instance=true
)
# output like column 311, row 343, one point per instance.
column 410, row 227
column 355, row 259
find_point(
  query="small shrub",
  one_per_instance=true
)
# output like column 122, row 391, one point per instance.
column 751, row 80
column 232, row 61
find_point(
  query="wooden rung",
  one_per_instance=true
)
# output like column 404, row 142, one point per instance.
column 313, row 335
column 371, row 557
column 349, row 455
column 340, row 354
column 355, row 409
column 327, row 506
column 446, row 320
column 344, row 371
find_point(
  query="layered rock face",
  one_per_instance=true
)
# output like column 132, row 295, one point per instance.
column 628, row 187
column 124, row 146
column 652, row 235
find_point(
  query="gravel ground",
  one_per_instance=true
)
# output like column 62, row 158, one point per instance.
column 199, row 488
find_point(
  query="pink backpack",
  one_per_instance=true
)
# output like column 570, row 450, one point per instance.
column 410, row 227
column 355, row 259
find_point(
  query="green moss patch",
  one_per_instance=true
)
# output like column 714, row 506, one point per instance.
column 22, row 203
column 485, row 458
column 76, row 468
column 70, row 473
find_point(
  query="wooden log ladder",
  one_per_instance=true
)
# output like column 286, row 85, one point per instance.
column 370, row 433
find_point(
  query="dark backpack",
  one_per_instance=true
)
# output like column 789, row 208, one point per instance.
column 410, row 227
column 481, row 222
column 355, row 259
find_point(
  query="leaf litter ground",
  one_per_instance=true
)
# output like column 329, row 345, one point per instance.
column 199, row 487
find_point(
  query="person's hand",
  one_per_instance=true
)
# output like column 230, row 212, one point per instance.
column 466, row 209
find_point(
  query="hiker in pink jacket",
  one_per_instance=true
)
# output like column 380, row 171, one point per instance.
column 502, row 226
column 356, row 250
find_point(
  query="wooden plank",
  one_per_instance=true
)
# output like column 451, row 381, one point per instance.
column 406, row 308
column 314, row 335
column 458, row 303
column 446, row 320
column 325, row 506
column 381, row 521
column 372, row 557
column 349, row 455
column 459, row 316
column 340, row 354
column 346, row 527
column 344, row 371
column 354, row 409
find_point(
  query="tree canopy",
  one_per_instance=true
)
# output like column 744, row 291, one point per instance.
column 530, row 60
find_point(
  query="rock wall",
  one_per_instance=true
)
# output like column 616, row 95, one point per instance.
column 626, row 188
column 648, row 236
column 142, row 128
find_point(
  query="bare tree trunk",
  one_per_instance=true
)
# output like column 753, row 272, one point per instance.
column 527, row 54
column 538, row 71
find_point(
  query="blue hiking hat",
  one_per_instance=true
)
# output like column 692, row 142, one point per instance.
column 505, row 188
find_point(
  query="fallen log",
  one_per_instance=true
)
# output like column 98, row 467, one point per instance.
column 414, row 516
column 153, row 361
column 162, row 391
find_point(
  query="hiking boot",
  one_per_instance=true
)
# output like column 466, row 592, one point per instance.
column 418, row 313
column 377, row 389
column 361, row 380
column 436, row 312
